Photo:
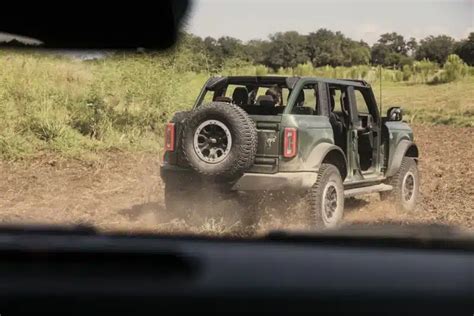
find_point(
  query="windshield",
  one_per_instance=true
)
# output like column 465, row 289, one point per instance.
column 381, row 129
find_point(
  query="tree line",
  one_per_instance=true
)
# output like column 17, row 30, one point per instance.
column 322, row 48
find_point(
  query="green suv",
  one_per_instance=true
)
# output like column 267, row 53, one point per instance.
column 323, row 138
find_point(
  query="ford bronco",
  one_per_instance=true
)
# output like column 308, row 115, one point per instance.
column 322, row 137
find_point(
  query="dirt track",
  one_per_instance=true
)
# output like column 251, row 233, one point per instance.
column 124, row 192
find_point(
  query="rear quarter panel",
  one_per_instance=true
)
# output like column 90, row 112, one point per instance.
column 312, row 131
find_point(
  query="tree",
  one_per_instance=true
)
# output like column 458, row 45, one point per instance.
column 230, row 47
column 356, row 53
column 218, row 51
column 435, row 48
column 390, row 49
column 394, row 42
column 412, row 46
column 286, row 49
column 257, row 51
column 379, row 54
column 192, row 53
column 325, row 47
column 212, row 51
column 465, row 49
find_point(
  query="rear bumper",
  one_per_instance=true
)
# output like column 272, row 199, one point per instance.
column 275, row 182
column 175, row 174
column 247, row 182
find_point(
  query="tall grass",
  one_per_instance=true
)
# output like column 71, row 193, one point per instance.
column 73, row 107
column 69, row 106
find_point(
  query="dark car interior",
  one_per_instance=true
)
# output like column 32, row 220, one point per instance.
column 244, row 97
column 339, row 118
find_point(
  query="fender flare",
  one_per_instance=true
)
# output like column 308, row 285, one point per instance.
column 404, row 146
column 320, row 152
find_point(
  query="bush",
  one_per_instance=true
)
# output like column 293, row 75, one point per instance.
column 454, row 69
column 398, row 75
column 14, row 146
column 304, row 69
column 470, row 71
column 424, row 69
column 261, row 70
column 407, row 72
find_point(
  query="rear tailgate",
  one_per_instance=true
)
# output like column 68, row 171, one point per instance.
column 268, row 129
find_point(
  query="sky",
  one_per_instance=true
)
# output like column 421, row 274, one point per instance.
column 359, row 20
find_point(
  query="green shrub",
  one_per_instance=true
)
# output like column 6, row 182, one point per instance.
column 470, row 71
column 454, row 68
column 398, row 75
column 14, row 146
column 407, row 72
column 424, row 69
column 261, row 70
column 304, row 70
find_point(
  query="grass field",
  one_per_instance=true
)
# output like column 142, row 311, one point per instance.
column 79, row 143
column 80, row 108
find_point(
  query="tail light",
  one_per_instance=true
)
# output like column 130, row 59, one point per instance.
column 290, row 138
column 169, row 137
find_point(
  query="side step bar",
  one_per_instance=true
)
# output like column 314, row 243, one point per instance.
column 366, row 190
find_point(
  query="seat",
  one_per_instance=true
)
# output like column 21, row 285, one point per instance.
column 280, row 109
column 300, row 108
column 337, row 125
column 303, row 110
column 240, row 96
column 266, row 100
column 266, row 105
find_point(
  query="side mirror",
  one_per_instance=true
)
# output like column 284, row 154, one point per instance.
column 395, row 114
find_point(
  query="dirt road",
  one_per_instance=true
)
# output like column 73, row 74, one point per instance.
column 124, row 191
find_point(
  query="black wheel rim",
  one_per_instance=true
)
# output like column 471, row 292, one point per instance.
column 408, row 187
column 212, row 141
column 330, row 202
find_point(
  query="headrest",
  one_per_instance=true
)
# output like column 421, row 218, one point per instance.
column 266, row 100
column 273, row 92
column 240, row 96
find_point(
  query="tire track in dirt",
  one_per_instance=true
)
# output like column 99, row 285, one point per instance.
column 123, row 191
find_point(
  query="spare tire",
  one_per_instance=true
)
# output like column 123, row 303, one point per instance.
column 179, row 119
column 219, row 139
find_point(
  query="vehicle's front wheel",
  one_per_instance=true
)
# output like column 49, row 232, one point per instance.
column 405, row 183
column 327, row 198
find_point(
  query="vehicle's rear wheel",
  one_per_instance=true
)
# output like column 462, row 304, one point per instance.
column 327, row 198
column 405, row 183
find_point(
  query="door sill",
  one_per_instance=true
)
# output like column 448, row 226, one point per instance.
column 371, row 178
column 367, row 190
